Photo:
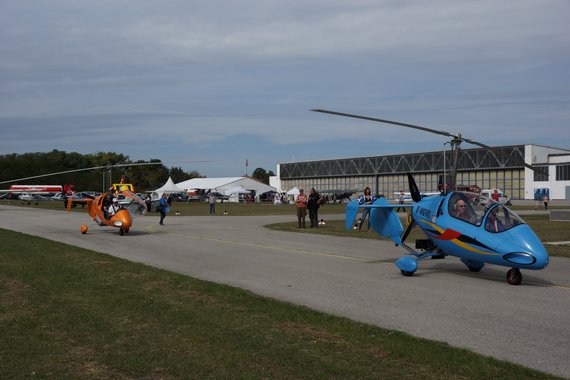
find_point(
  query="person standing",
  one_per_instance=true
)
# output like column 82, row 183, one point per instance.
column 496, row 196
column 366, row 199
column 538, row 200
column 545, row 200
column 301, row 208
column 148, row 203
column 163, row 208
column 401, row 201
column 313, row 204
column 212, row 201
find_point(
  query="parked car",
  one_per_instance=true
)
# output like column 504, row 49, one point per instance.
column 488, row 193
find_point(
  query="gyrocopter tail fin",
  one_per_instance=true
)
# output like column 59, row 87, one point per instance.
column 351, row 213
column 385, row 221
column 383, row 218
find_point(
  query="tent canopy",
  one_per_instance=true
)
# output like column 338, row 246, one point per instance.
column 223, row 185
column 236, row 190
column 168, row 187
column 293, row 191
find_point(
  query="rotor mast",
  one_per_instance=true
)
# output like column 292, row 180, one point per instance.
column 455, row 151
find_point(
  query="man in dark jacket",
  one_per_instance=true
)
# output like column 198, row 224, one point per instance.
column 313, row 204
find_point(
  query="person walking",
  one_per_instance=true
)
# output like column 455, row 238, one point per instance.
column 537, row 200
column 546, row 199
column 313, row 204
column 163, row 208
column 301, row 208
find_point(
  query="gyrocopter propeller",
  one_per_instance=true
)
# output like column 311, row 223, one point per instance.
column 462, row 224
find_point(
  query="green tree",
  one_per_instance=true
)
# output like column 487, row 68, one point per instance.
column 262, row 175
column 144, row 177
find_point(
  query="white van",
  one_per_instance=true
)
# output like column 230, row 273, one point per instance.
column 503, row 198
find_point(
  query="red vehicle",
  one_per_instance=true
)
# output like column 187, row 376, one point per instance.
column 468, row 188
column 36, row 189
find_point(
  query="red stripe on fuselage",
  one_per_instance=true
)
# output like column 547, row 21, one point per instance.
column 448, row 234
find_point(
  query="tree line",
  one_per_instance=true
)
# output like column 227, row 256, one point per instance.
column 144, row 177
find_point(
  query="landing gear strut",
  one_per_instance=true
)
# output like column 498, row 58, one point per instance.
column 514, row 276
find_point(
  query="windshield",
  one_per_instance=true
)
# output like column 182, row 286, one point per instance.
column 136, row 207
column 475, row 208
column 468, row 207
column 499, row 219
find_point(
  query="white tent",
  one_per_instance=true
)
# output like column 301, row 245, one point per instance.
column 168, row 187
column 234, row 193
column 293, row 193
column 236, row 190
column 222, row 185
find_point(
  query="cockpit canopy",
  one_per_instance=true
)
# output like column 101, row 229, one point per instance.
column 476, row 209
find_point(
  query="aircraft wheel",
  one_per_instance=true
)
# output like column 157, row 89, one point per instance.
column 514, row 276
column 122, row 232
column 407, row 273
column 474, row 269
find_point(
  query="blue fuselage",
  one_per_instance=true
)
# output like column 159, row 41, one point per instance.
column 491, row 234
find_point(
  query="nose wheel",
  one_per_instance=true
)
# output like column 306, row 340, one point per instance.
column 514, row 276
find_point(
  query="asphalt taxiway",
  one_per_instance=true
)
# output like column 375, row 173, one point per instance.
column 354, row 278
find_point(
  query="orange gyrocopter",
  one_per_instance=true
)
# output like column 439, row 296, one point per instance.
column 131, row 206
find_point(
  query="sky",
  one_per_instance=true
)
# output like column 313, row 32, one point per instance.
column 207, row 85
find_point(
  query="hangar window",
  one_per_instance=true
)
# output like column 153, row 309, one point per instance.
column 563, row 172
column 539, row 175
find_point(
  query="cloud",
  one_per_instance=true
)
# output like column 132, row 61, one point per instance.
column 95, row 75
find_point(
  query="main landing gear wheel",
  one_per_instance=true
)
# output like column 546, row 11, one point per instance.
column 474, row 269
column 406, row 273
column 514, row 276
column 122, row 232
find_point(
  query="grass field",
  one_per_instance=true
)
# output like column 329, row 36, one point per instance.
column 67, row 312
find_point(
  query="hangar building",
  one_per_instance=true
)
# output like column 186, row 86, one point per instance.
column 482, row 167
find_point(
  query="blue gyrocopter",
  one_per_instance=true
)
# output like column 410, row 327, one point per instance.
column 462, row 224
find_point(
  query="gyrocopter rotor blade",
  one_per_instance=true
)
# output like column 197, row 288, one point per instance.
column 457, row 139
column 444, row 133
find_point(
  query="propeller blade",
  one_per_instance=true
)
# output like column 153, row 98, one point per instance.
column 408, row 230
column 414, row 191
